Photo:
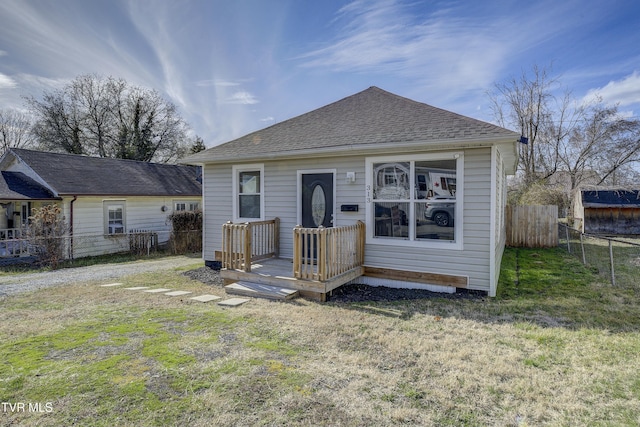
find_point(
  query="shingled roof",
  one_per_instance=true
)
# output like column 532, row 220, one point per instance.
column 610, row 198
column 68, row 174
column 18, row 186
column 366, row 120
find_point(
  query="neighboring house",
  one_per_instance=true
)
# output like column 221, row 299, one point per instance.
column 606, row 210
column 373, row 158
column 102, row 199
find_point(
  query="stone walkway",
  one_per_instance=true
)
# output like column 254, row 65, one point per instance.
column 231, row 302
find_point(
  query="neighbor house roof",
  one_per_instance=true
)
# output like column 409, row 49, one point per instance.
column 610, row 198
column 18, row 186
column 68, row 174
column 373, row 119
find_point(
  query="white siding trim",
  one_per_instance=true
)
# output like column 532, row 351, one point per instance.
column 493, row 280
column 401, row 284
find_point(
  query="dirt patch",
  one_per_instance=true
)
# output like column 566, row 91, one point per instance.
column 206, row 275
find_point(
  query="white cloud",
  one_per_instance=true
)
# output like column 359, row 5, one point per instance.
column 622, row 92
column 443, row 50
column 242, row 97
column 7, row 82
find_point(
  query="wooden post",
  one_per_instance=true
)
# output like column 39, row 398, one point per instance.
column 584, row 258
column 613, row 274
column 297, row 251
column 276, row 237
column 321, row 248
column 226, row 245
column 248, row 233
column 361, row 242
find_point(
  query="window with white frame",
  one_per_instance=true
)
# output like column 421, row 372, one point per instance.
column 186, row 206
column 248, row 189
column 414, row 200
column 114, row 217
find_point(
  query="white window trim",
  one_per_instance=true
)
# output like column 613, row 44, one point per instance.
column 236, row 169
column 457, row 244
column 106, row 204
column 186, row 202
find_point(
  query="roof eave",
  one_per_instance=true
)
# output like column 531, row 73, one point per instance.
column 358, row 149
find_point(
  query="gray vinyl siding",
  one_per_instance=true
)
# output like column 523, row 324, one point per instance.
column 217, row 205
column 280, row 193
column 500, row 230
column 280, row 198
column 473, row 259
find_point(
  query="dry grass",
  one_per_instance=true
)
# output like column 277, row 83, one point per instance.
column 106, row 356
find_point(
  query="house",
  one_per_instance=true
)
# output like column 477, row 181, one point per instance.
column 342, row 193
column 102, row 199
column 607, row 210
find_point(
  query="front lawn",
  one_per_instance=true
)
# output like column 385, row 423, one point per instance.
column 558, row 346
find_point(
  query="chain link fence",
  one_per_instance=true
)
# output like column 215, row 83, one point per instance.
column 618, row 259
column 51, row 250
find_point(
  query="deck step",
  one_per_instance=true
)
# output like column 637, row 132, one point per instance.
column 259, row 290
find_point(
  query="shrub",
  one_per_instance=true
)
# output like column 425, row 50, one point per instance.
column 186, row 236
column 46, row 233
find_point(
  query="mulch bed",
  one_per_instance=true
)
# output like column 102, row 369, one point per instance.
column 354, row 292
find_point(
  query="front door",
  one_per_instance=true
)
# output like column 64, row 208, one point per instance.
column 317, row 200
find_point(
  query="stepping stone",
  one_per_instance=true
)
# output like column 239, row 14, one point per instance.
column 249, row 289
column 177, row 293
column 157, row 291
column 137, row 288
column 108, row 285
column 206, row 298
column 233, row 302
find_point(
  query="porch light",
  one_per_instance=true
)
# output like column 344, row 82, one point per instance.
column 351, row 177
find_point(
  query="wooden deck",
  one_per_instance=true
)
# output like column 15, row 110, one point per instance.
column 279, row 272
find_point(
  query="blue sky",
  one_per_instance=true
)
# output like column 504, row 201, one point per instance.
column 236, row 66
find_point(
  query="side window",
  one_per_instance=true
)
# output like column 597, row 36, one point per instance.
column 185, row 206
column 114, row 217
column 248, row 192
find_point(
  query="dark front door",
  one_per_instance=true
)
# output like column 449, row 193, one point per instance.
column 317, row 200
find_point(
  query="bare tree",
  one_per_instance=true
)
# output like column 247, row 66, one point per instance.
column 578, row 140
column 526, row 104
column 15, row 129
column 107, row 117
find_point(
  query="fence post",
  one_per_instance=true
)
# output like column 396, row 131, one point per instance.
column 613, row 274
column 584, row 258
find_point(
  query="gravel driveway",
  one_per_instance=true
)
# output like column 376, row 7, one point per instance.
column 15, row 284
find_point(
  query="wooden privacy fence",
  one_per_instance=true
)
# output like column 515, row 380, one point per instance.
column 249, row 241
column 532, row 226
column 324, row 253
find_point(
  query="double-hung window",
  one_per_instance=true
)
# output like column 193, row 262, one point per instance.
column 114, row 217
column 187, row 206
column 248, row 192
column 415, row 200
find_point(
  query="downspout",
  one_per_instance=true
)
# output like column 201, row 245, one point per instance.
column 71, row 225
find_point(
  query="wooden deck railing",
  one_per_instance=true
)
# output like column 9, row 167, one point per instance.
column 11, row 233
column 245, row 242
column 324, row 253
